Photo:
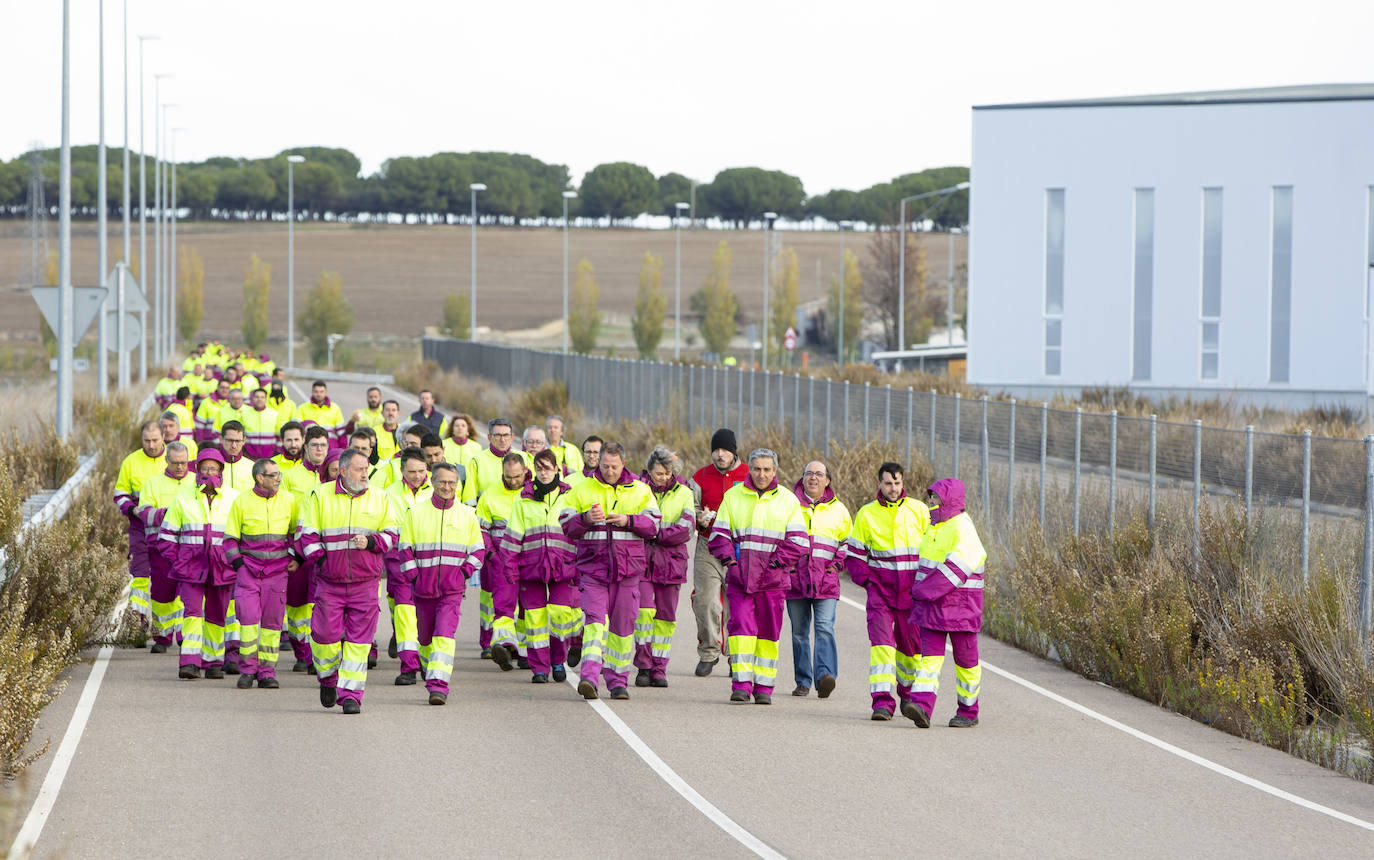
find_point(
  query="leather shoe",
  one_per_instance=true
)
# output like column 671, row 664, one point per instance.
column 763, row 699
column 620, row 693
column 642, row 678
column 739, row 696
column 522, row 663
column 215, row 673
column 328, row 696
column 231, row 667
column 268, row 683
column 244, row 682
column 158, row 648
column 658, row 681
column 961, row 722
column 503, row 656
column 881, row 715
column 391, row 647
column 586, row 689
column 704, row 667
column 825, row 686
column 802, row 690
column 574, row 654
column 539, row 678
column 438, row 698
column 405, row 679
column 916, row 714
column 351, row 706
column 299, row 666
column 190, row 673
column 371, row 659
column 560, row 674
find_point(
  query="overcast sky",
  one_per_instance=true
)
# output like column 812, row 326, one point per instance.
column 842, row 94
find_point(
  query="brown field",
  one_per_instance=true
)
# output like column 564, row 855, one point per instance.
column 396, row 276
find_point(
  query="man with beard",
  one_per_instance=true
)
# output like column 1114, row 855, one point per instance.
column 709, row 486
column 347, row 529
column 291, row 440
column 405, row 494
column 370, row 416
column 257, row 545
column 500, row 587
column 136, row 470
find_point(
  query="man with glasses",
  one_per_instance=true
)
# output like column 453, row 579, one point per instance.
column 814, row 590
column 257, row 545
column 157, row 496
column 484, row 470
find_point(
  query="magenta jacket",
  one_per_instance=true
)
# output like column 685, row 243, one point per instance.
column 605, row 552
column 540, row 553
column 668, row 551
column 817, row 574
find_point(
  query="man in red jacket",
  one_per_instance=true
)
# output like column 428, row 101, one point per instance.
column 708, row 574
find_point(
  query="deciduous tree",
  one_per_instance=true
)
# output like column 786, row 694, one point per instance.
column 719, row 303
column 584, row 319
column 326, row 312
column 190, row 292
column 786, row 293
column 853, row 304
column 257, row 283
column 650, row 307
column 618, row 189
column 457, row 317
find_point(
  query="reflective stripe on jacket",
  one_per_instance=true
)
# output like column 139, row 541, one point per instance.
column 885, row 546
column 156, row 497
column 758, row 535
column 192, row 537
column 677, row 522
column 260, row 431
column 440, row 547
column 533, row 544
column 135, row 471
column 604, row 552
column 493, row 514
column 817, row 574
column 258, row 532
column 330, row 518
column 327, row 416
column 947, row 593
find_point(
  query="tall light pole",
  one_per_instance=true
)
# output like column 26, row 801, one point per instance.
column 949, row 294
column 173, row 268
column 102, row 367
column 142, row 219
column 677, row 280
column 159, row 304
column 121, row 345
column 291, row 162
column 472, row 257
column 839, row 355
column 768, row 219
column 567, row 195
column 65, row 320
column 943, row 194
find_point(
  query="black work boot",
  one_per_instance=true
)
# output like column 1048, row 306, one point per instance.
column 329, row 696
column 245, row 681
column 391, row 647
column 405, row 679
column 643, row 677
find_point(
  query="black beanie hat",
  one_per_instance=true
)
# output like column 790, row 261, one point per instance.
column 724, row 438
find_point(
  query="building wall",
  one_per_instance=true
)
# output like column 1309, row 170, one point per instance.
column 1099, row 156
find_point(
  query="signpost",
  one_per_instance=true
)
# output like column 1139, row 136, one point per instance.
column 86, row 303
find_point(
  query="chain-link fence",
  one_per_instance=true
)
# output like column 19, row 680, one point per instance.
column 993, row 445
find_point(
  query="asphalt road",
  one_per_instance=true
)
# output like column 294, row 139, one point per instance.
column 169, row 767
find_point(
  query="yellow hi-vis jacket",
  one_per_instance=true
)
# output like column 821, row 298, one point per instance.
column 228, row 413
column 534, row 544
column 329, row 519
column 258, row 532
column 484, row 473
column 440, row 547
column 136, row 470
column 885, row 546
column 758, row 535
column 260, row 431
column 185, row 420
column 327, row 416
column 569, row 458
column 156, row 497
column 192, row 536
column 605, row 552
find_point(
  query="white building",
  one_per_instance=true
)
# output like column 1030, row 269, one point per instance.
column 1206, row 244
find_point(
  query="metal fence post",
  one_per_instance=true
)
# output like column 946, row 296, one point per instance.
column 796, row 411
column 739, row 403
column 1111, row 476
column 715, row 398
column 691, row 389
column 766, row 377
column 1306, row 499
column 1044, row 444
column 825, row 443
column 983, row 465
column 887, row 424
column 1197, row 489
column 1249, row 479
column 1011, row 463
column 868, row 388
column 910, row 408
column 1154, row 462
column 1077, row 461
column 782, row 409
column 932, row 428
column 844, row 429
column 811, row 415
column 1367, row 568
column 958, row 398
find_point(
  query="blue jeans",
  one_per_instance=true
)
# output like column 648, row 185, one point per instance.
column 801, row 612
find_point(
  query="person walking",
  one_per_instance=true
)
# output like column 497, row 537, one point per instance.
column 499, row 583
column 405, row 494
column 324, row 412
column 260, row 425
column 157, row 495
column 569, row 457
column 708, row 574
column 535, row 547
column 347, row 529
column 882, row 555
column 758, row 536
column 485, row 469
column 192, row 541
column 460, row 446
column 814, row 590
column 207, row 414
column 609, row 517
column 238, row 469
column 667, row 568
column 441, row 547
column 257, row 535
column 428, row 416
column 947, row 603
column 136, row 470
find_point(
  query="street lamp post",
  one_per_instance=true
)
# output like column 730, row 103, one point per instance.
column 173, row 268
column 142, row 217
column 159, row 309
column 121, row 345
column 291, row 162
column 768, row 219
column 677, row 280
column 943, row 193
column 472, row 257
column 66, row 322
column 567, row 195
column 164, row 198
column 839, row 354
column 102, row 367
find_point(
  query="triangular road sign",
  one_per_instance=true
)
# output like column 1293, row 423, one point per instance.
column 134, row 300
column 86, row 303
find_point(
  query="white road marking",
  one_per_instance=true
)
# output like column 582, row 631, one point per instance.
column 677, row 783
column 1165, row 745
column 66, row 751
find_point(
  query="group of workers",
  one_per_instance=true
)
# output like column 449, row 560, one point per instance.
column 252, row 519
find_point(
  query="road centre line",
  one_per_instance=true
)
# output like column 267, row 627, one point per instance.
column 677, row 783
column 1165, row 745
column 66, row 751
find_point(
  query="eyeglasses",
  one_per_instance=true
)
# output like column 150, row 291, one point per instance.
column 271, row 474
column 813, row 475
column 500, row 435
column 445, row 483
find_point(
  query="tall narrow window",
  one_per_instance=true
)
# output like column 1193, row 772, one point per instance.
column 1281, row 284
column 1211, row 282
column 1054, row 280
column 1143, row 283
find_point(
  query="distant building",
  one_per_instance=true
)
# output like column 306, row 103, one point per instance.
column 1203, row 244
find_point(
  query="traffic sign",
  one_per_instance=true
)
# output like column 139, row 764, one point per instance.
column 134, row 300
column 133, row 333
column 789, row 339
column 86, row 303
